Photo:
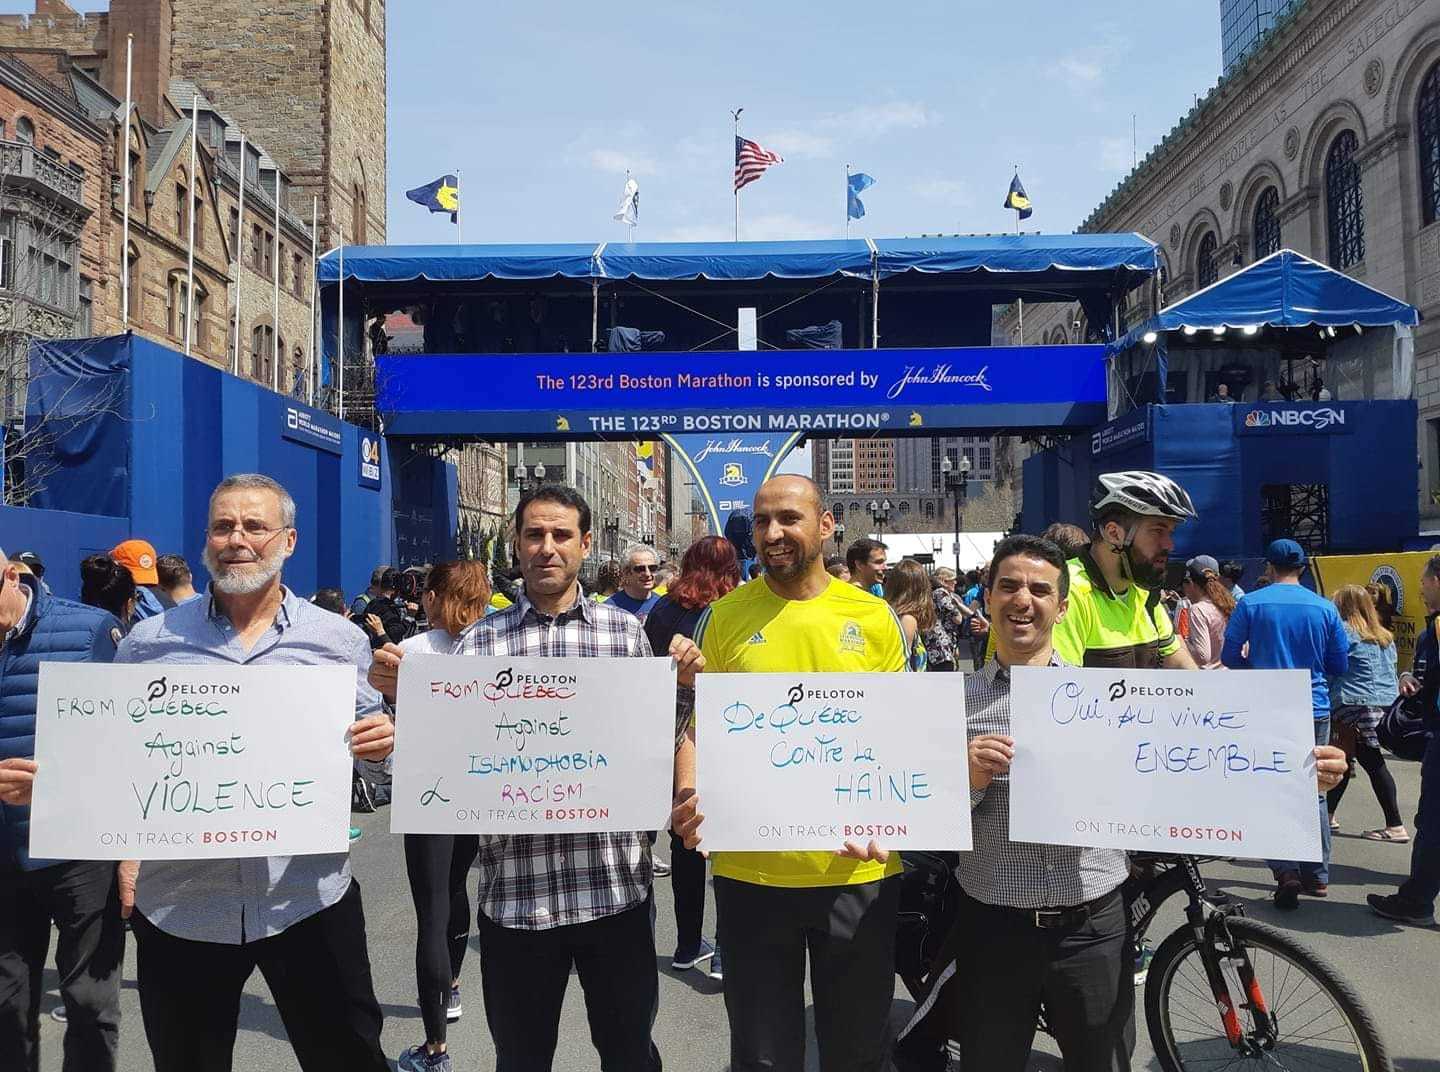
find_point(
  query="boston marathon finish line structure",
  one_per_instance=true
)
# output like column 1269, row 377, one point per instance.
column 762, row 340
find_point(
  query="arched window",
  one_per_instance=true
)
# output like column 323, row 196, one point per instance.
column 1344, row 207
column 839, row 511
column 297, row 378
column 1265, row 225
column 25, row 130
column 359, row 214
column 262, row 353
column 1427, row 140
column 1206, row 270
column 136, row 305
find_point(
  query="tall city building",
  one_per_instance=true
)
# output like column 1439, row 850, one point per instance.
column 1244, row 23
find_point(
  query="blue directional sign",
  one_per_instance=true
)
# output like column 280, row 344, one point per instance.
column 815, row 392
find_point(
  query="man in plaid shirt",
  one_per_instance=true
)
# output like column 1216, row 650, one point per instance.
column 552, row 901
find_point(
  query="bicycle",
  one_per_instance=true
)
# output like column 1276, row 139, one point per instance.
column 1224, row 990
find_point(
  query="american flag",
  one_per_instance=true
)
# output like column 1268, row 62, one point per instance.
column 751, row 161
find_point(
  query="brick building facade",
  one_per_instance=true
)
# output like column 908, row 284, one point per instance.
column 1326, row 140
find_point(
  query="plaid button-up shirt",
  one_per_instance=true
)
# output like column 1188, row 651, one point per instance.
column 539, row 881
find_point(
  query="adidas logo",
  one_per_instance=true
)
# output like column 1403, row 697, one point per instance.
column 756, row 638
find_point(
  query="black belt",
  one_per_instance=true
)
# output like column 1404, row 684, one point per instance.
column 1058, row 918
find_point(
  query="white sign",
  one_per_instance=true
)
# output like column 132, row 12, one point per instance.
column 1207, row 762
column 163, row 762
column 811, row 761
column 488, row 745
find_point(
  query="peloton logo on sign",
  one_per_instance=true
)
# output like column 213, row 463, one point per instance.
column 1317, row 420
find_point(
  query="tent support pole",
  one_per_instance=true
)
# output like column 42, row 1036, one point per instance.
column 594, row 316
column 875, row 307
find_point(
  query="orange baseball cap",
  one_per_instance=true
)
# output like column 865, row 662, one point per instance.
column 138, row 556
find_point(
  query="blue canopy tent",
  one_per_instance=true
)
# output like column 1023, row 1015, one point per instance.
column 1284, row 292
column 936, row 291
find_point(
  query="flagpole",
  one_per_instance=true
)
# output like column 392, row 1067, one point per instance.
column 314, row 280
column 847, row 201
column 1020, row 302
column 736, row 116
column 340, row 334
column 190, row 213
column 459, row 227
column 239, row 258
column 275, row 301
column 125, row 226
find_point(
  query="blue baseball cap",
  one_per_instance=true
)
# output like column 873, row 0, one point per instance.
column 1285, row 554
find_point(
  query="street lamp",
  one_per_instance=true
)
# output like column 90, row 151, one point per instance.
column 879, row 513
column 839, row 535
column 611, row 526
column 957, row 480
column 522, row 475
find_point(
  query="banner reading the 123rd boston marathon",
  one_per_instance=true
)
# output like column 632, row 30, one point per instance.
column 191, row 762
column 638, row 395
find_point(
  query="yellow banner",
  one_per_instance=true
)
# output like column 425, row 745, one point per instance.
column 1398, row 577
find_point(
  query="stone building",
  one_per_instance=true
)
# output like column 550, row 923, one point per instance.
column 1325, row 139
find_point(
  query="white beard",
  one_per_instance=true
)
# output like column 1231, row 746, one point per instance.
column 231, row 582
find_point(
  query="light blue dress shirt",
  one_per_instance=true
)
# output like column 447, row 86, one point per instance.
column 236, row 901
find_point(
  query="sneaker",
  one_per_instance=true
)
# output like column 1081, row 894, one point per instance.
column 683, row 960
column 661, row 867
column 716, row 971
column 355, row 834
column 58, row 1014
column 453, row 1008
column 1287, row 891
column 418, row 1059
column 1393, row 906
column 1143, row 956
column 1311, row 886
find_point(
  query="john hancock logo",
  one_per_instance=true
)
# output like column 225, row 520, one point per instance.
column 852, row 639
column 732, row 475
column 938, row 374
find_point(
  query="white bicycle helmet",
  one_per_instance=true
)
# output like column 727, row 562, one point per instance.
column 1144, row 493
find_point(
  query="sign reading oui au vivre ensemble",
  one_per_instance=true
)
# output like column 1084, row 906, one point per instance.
column 147, row 762
column 811, row 761
column 532, row 746
column 1159, row 761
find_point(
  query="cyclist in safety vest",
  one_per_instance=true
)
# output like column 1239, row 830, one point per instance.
column 1115, row 617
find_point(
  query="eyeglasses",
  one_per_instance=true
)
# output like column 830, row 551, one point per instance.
column 250, row 531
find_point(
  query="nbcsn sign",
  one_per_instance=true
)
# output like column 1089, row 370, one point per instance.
column 1316, row 420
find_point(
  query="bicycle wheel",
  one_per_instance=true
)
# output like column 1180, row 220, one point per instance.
column 1319, row 1020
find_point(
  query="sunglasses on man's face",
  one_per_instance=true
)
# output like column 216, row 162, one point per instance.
column 644, row 569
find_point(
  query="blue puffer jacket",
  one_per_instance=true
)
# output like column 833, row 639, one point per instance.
column 54, row 630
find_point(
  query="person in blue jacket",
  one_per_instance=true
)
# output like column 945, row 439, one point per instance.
column 1288, row 627
column 81, row 897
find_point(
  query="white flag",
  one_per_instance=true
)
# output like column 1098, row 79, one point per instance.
column 629, row 211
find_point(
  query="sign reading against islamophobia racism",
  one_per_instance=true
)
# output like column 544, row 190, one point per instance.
column 811, row 761
column 642, row 395
column 163, row 762
column 533, row 746
column 1165, row 761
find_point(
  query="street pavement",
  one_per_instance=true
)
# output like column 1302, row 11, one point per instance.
column 1395, row 969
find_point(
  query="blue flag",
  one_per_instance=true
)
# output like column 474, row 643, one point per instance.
column 854, row 185
column 442, row 195
column 1016, row 198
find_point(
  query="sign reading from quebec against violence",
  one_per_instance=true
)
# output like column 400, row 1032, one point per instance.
column 489, row 745
column 149, row 762
column 1204, row 762
column 811, row 761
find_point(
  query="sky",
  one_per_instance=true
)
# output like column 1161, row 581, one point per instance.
column 541, row 107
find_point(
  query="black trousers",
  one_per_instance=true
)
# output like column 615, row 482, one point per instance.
column 849, row 934
column 1372, row 762
column 438, row 866
column 1084, row 974
column 82, row 901
column 525, row 974
column 318, row 972
column 687, row 886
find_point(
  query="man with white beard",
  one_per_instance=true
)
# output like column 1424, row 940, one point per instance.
column 203, row 926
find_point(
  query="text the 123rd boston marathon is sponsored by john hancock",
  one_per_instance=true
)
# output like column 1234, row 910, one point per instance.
column 162, row 762
column 491, row 745
column 1165, row 761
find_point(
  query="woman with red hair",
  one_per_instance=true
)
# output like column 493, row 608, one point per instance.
column 709, row 569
